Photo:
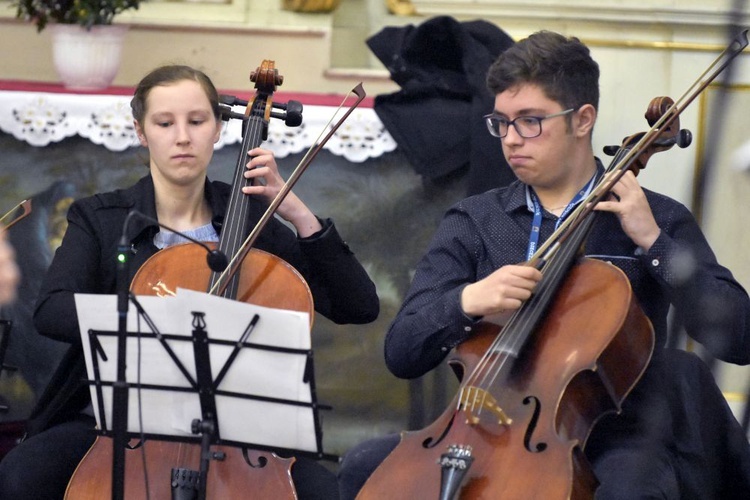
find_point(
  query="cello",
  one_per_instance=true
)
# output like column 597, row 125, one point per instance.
column 530, row 393
column 254, row 276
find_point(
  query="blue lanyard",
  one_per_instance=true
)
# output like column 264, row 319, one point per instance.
column 536, row 223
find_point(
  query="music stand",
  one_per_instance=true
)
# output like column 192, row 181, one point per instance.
column 236, row 373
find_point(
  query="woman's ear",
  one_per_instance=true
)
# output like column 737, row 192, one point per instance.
column 219, row 128
column 140, row 134
column 586, row 120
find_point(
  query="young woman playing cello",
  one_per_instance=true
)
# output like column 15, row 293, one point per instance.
column 176, row 114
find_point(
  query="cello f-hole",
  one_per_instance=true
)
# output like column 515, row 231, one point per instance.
column 262, row 461
column 431, row 442
column 541, row 446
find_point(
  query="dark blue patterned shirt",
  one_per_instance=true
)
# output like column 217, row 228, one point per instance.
column 482, row 233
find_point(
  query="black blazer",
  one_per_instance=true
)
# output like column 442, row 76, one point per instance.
column 86, row 262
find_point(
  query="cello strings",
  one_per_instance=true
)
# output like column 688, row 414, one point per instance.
column 510, row 343
column 233, row 226
column 518, row 329
column 298, row 171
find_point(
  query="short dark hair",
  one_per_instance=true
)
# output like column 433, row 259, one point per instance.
column 561, row 66
column 164, row 75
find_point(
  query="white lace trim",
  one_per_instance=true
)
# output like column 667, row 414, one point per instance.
column 40, row 118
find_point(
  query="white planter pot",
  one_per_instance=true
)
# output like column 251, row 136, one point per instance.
column 87, row 59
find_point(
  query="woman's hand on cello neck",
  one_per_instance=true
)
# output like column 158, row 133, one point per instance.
column 267, row 183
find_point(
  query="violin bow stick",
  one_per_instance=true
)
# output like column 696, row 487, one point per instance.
column 25, row 205
column 311, row 153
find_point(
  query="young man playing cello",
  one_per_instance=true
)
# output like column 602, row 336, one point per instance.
column 675, row 437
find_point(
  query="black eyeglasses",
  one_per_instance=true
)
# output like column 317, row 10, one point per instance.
column 527, row 127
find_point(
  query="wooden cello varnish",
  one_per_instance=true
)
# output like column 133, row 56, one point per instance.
column 585, row 361
column 242, row 473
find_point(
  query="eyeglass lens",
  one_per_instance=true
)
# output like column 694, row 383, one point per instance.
column 526, row 126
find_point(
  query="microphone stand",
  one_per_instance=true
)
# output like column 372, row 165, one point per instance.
column 120, row 387
column 217, row 261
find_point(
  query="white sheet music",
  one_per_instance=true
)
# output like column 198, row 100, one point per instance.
column 254, row 372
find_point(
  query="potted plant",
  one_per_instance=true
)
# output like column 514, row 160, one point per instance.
column 86, row 45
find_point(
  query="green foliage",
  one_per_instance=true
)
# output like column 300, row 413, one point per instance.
column 87, row 13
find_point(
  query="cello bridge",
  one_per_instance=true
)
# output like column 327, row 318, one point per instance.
column 474, row 400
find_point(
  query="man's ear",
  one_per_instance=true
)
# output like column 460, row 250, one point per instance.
column 140, row 134
column 586, row 120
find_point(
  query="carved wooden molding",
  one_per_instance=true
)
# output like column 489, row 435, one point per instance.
column 642, row 12
column 401, row 7
column 310, row 5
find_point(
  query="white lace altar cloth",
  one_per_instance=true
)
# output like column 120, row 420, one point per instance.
column 41, row 118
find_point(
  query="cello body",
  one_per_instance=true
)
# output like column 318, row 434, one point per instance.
column 264, row 280
column 582, row 361
column 231, row 478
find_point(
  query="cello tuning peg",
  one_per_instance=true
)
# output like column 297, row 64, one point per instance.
column 684, row 138
column 292, row 114
column 290, row 106
column 227, row 114
column 231, row 100
column 610, row 150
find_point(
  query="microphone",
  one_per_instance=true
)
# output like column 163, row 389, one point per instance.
column 216, row 259
column 123, row 264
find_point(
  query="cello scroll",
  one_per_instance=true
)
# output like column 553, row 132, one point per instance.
column 670, row 134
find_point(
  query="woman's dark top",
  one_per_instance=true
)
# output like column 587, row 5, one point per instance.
column 86, row 263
